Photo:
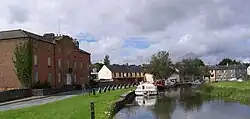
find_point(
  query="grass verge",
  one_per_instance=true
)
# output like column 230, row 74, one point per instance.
column 229, row 91
column 73, row 108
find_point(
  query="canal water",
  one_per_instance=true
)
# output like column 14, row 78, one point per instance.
column 182, row 103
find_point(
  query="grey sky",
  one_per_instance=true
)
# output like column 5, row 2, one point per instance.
column 212, row 29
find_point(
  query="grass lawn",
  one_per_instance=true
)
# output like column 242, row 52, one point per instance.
column 238, row 85
column 73, row 108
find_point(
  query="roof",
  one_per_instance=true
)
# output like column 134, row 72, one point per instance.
column 225, row 67
column 82, row 51
column 125, row 68
column 19, row 33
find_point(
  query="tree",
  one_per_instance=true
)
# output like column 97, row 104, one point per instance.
column 192, row 66
column 106, row 60
column 23, row 63
column 227, row 61
column 160, row 65
column 97, row 66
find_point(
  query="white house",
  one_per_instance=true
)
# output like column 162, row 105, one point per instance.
column 248, row 70
column 149, row 78
column 105, row 74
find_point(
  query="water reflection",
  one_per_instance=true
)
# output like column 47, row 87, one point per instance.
column 183, row 103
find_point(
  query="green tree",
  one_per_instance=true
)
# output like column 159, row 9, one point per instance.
column 227, row 61
column 97, row 66
column 23, row 63
column 192, row 67
column 106, row 60
column 160, row 65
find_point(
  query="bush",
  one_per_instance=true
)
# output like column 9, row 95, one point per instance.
column 39, row 85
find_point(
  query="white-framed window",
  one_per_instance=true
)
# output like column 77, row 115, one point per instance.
column 49, row 77
column 75, row 64
column 59, row 63
column 81, row 64
column 68, row 63
column 35, row 44
column 59, row 77
column 36, row 77
column 49, row 61
column 35, row 60
column 75, row 77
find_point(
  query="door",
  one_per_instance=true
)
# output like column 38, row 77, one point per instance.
column 69, row 79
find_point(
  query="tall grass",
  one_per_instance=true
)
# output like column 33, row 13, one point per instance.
column 230, row 91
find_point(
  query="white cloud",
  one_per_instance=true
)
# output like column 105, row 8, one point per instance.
column 210, row 29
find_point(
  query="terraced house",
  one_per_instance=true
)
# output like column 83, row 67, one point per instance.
column 56, row 60
column 121, row 74
column 226, row 72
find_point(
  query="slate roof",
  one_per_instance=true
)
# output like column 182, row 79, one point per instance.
column 19, row 33
column 82, row 51
column 125, row 68
column 225, row 67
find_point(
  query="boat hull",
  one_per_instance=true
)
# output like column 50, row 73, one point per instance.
column 142, row 93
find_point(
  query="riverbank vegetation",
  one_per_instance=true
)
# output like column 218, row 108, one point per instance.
column 77, row 107
column 230, row 91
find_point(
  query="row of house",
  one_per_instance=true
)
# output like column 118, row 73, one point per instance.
column 121, row 74
column 132, row 73
column 226, row 72
column 57, row 60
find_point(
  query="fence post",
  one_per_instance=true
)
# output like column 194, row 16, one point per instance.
column 92, row 110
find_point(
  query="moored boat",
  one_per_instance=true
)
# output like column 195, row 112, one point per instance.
column 146, row 89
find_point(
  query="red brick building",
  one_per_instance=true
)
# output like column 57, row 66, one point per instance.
column 56, row 59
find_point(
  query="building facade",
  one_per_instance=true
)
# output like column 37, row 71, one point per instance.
column 54, row 59
column 226, row 72
column 121, row 74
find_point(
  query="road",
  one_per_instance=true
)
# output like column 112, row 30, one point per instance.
column 34, row 102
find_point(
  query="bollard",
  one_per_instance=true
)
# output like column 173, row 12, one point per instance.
column 99, row 90
column 92, row 110
column 93, row 91
column 104, row 90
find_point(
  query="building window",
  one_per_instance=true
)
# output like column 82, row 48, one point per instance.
column 68, row 63
column 49, row 48
column 35, row 45
column 36, row 77
column 129, row 74
column 121, row 74
column 75, row 77
column 59, row 77
column 49, row 61
column 125, row 74
column 116, row 74
column 113, row 74
column 35, row 60
column 75, row 64
column 81, row 64
column 59, row 63
column 49, row 77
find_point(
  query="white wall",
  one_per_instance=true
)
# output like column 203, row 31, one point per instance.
column 248, row 70
column 174, row 76
column 105, row 73
column 149, row 78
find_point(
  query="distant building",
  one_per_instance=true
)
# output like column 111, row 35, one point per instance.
column 226, row 72
column 55, row 59
column 121, row 74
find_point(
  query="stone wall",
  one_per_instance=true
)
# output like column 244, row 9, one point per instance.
column 14, row 94
column 23, row 93
column 118, row 105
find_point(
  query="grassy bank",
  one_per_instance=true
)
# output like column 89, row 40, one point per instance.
column 73, row 108
column 231, row 91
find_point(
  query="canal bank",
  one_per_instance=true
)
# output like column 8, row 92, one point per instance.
column 230, row 91
column 77, row 107
column 121, row 103
column 183, row 103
